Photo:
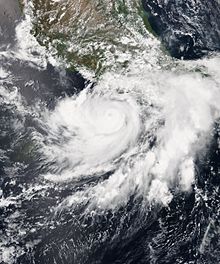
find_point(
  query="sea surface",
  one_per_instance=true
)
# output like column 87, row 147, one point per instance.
column 109, row 132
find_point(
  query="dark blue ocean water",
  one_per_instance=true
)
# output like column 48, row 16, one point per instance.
column 186, row 231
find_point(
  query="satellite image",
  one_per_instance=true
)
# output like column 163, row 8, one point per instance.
column 109, row 131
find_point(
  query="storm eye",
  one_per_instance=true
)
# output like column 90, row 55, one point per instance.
column 101, row 129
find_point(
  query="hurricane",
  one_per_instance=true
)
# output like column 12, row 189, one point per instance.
column 151, row 132
column 109, row 137
column 95, row 124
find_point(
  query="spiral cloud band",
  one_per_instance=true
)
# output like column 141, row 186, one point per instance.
column 94, row 130
column 145, row 132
